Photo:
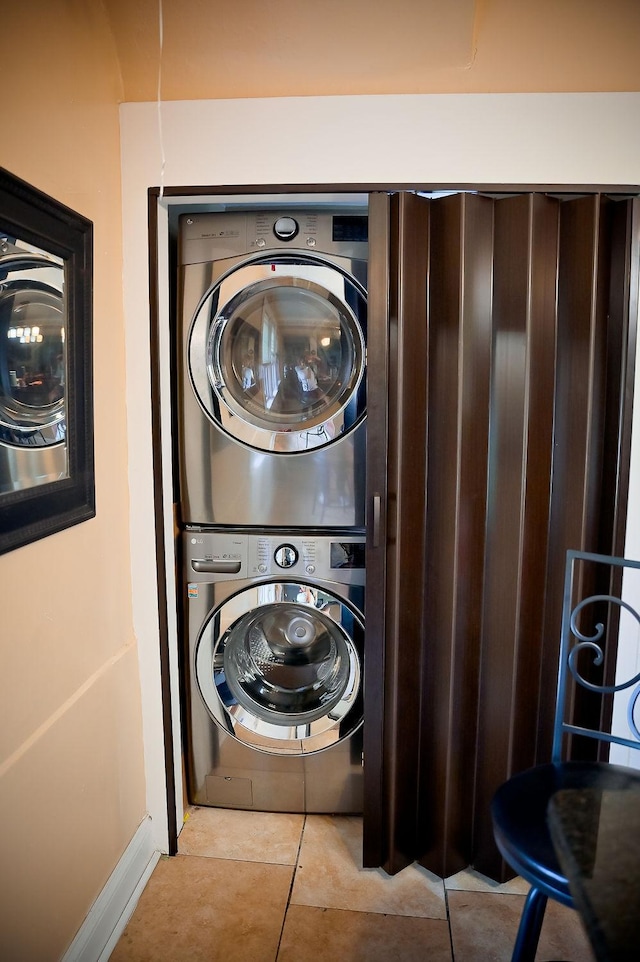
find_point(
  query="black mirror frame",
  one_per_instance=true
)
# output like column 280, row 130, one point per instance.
column 33, row 513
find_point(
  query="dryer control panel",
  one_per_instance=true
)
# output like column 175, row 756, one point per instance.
column 226, row 555
column 214, row 236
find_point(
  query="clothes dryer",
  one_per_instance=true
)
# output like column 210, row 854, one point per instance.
column 33, row 447
column 273, row 670
column 272, row 358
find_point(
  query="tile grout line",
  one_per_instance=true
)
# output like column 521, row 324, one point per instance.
column 446, row 903
column 290, row 893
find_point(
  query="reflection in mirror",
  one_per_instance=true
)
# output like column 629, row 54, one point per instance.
column 47, row 477
column 33, row 366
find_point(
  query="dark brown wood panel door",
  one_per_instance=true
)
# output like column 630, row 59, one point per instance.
column 520, row 456
column 559, row 362
column 459, row 349
column 501, row 359
column 396, row 466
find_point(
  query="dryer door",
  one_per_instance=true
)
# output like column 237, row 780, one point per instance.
column 277, row 353
column 279, row 667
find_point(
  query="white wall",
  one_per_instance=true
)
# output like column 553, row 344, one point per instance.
column 447, row 139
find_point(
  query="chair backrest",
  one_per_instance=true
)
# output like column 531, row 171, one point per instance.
column 591, row 621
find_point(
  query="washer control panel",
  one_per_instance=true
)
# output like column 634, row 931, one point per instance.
column 223, row 556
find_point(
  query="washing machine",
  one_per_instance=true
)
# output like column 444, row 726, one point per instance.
column 33, row 446
column 273, row 670
column 272, row 335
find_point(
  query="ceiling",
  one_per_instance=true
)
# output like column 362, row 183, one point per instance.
column 216, row 49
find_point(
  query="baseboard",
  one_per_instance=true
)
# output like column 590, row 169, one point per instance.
column 113, row 908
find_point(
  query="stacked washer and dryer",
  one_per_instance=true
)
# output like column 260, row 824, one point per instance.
column 271, row 411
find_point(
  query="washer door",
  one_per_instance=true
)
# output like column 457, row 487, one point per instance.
column 277, row 353
column 32, row 352
column 279, row 667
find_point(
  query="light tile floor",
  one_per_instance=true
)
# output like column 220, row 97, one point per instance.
column 256, row 887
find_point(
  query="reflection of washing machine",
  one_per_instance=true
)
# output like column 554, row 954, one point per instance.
column 32, row 370
column 272, row 352
column 273, row 673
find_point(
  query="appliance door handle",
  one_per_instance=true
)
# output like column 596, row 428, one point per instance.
column 219, row 566
column 376, row 520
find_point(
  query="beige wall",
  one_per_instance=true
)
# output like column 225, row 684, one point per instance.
column 284, row 48
column 72, row 789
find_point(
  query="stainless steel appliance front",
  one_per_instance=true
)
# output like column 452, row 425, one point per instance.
column 274, row 665
column 272, row 359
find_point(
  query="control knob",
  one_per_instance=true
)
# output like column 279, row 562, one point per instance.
column 285, row 556
column 285, row 228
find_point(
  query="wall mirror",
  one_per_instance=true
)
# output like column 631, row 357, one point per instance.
column 46, row 382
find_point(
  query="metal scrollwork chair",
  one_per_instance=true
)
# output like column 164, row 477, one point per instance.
column 519, row 807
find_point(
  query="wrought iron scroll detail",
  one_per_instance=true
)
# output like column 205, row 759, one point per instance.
column 592, row 642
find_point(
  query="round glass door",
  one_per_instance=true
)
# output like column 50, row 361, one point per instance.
column 284, row 354
column 284, row 672
column 32, row 352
